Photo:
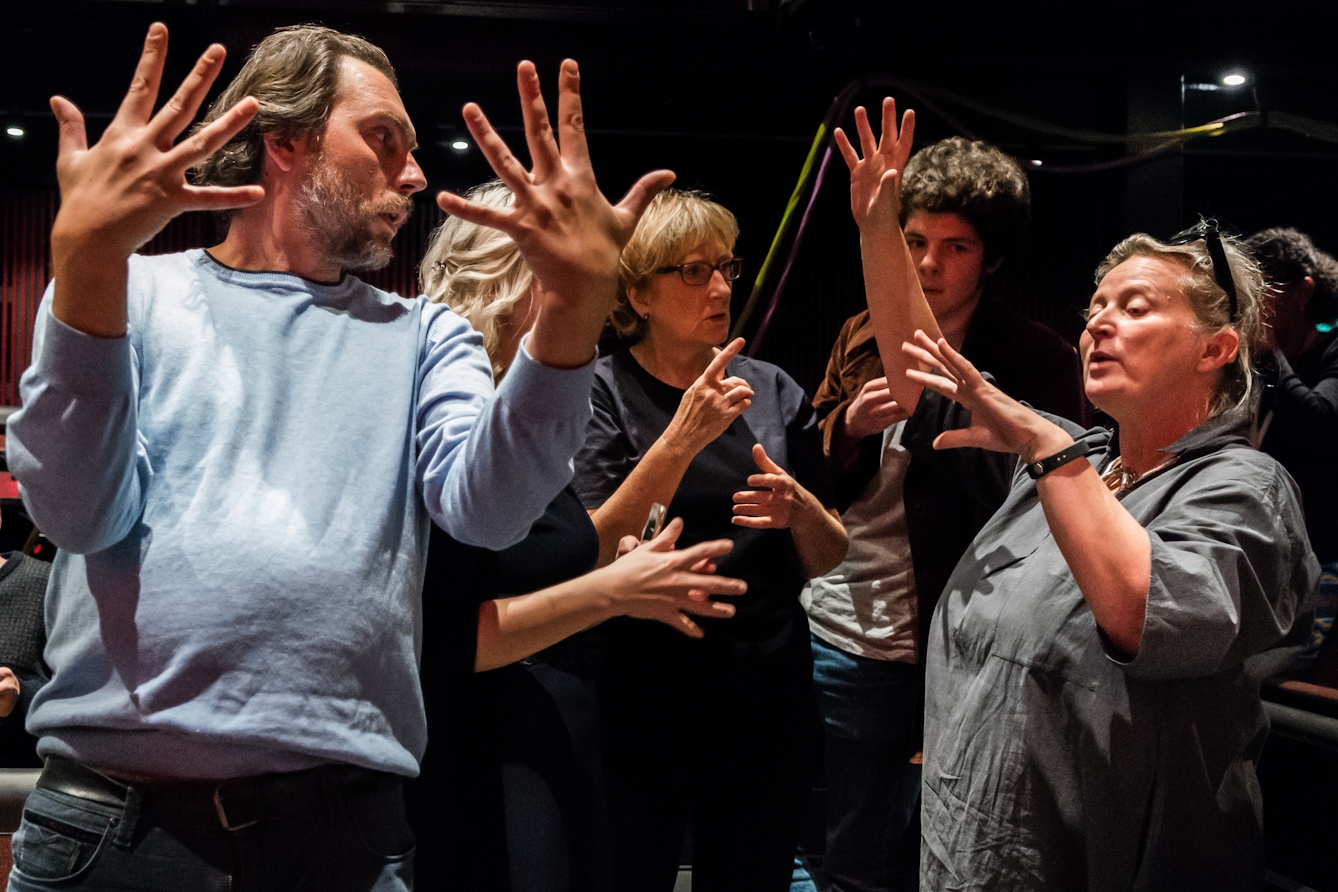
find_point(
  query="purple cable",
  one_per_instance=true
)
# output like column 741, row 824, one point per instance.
column 794, row 250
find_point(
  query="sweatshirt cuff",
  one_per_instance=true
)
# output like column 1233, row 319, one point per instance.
column 80, row 364
column 536, row 389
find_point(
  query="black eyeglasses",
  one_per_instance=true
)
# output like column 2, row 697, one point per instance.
column 699, row 272
column 1209, row 232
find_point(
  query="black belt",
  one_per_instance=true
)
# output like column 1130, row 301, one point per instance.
column 234, row 803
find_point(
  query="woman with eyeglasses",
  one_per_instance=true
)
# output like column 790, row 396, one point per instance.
column 721, row 732
column 1090, row 722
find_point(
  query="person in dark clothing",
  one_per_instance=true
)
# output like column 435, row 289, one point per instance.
column 1298, row 415
column 22, row 639
column 510, row 797
column 965, row 208
column 720, row 732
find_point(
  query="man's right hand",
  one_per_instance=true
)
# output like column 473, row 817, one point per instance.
column 9, row 691
column 873, row 410
column 122, row 191
column 567, row 231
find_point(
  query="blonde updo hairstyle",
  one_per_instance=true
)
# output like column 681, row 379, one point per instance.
column 477, row 271
column 1210, row 303
column 676, row 222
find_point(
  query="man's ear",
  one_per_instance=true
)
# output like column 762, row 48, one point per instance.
column 993, row 266
column 283, row 149
column 1219, row 350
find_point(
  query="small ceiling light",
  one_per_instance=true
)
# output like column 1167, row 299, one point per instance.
column 460, row 145
column 16, row 132
column 1234, row 79
column 1036, row 162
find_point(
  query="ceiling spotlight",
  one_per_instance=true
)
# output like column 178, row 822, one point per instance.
column 16, row 132
column 1234, row 79
column 1036, row 162
column 460, row 145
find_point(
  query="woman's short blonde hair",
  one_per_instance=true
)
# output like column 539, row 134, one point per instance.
column 676, row 222
column 477, row 271
column 1210, row 303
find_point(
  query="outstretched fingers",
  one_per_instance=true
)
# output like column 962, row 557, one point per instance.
column 505, row 164
column 137, row 106
column 544, row 154
column 73, row 137
column 867, row 144
column 571, row 120
column 639, row 197
column 846, row 149
column 177, row 113
column 208, row 140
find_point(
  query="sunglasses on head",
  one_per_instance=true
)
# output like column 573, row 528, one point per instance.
column 1209, row 232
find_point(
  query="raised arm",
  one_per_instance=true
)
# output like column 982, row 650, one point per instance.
column 653, row 582
column 74, row 445
column 569, row 234
column 897, row 306
column 1105, row 547
column 706, row 411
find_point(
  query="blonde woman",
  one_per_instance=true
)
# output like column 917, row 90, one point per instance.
column 721, row 732
column 510, row 789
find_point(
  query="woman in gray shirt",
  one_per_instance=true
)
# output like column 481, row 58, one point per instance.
column 1090, row 722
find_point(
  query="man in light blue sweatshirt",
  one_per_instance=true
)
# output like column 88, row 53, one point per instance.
column 238, row 451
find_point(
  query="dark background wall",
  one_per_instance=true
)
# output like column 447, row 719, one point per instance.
column 730, row 92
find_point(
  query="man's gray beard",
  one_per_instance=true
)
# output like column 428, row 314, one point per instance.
column 339, row 223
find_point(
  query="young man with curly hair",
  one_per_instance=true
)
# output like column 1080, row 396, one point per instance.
column 965, row 207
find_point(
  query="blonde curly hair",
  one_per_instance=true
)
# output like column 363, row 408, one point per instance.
column 477, row 271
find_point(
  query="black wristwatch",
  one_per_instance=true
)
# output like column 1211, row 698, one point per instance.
column 1038, row 469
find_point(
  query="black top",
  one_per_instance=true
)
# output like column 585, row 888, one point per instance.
column 1303, row 436
column 22, row 640
column 631, row 409
column 561, row 545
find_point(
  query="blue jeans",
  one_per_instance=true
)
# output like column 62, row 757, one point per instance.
column 353, row 838
column 869, row 714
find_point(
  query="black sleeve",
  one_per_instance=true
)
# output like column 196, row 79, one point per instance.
column 608, row 456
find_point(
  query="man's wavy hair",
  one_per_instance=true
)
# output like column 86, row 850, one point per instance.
column 477, row 271
column 1288, row 256
column 1210, row 303
column 294, row 75
column 977, row 181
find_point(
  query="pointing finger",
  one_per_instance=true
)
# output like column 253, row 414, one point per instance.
column 715, row 371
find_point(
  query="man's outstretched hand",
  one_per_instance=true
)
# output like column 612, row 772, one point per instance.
column 568, row 232
column 119, row 193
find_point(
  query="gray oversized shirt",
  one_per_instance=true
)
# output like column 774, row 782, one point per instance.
column 1050, row 764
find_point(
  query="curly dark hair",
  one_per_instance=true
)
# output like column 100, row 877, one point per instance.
column 976, row 180
column 294, row 74
column 1288, row 255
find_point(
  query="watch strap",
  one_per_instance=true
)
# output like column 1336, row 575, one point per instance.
column 1038, row 469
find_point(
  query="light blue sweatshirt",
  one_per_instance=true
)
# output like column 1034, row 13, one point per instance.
column 238, row 490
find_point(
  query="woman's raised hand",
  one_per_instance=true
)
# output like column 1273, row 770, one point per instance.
column 654, row 581
column 998, row 422
column 875, row 179
column 710, row 405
